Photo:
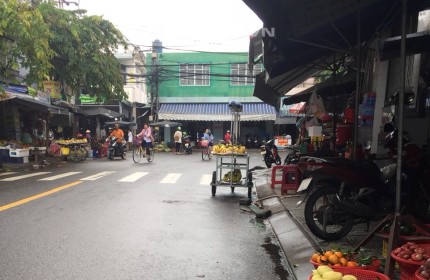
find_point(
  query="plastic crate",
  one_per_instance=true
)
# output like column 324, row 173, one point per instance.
column 19, row 160
column 361, row 274
column 4, row 152
column 407, row 267
column 19, row 153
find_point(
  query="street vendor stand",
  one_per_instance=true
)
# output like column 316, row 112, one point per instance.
column 229, row 165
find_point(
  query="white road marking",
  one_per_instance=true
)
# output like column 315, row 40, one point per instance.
column 23, row 176
column 133, row 177
column 171, row 178
column 206, row 179
column 52, row 178
column 7, row 173
column 97, row 176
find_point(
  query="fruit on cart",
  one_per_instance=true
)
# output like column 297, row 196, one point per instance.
column 71, row 141
column 324, row 272
column 228, row 149
column 342, row 258
column 233, row 177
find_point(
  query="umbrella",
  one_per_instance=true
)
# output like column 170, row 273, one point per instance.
column 166, row 124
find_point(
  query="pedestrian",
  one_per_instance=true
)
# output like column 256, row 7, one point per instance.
column 146, row 134
column 88, row 136
column 178, row 140
column 129, row 140
column 227, row 137
column 209, row 137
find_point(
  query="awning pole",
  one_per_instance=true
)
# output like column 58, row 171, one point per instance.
column 357, row 89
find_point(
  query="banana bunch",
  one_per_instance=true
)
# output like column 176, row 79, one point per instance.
column 233, row 177
column 71, row 141
column 229, row 149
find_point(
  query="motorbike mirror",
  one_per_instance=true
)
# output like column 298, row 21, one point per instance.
column 409, row 97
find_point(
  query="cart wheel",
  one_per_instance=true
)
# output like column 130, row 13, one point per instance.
column 232, row 189
column 213, row 183
column 64, row 158
column 250, row 184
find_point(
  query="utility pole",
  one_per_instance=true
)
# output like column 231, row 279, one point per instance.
column 155, row 79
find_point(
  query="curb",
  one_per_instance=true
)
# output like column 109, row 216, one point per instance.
column 294, row 242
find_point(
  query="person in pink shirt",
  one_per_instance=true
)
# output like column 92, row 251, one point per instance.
column 146, row 133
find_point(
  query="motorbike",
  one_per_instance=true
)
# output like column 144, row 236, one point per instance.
column 188, row 149
column 270, row 153
column 339, row 193
column 114, row 148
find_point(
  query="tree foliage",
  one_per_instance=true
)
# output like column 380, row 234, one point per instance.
column 66, row 46
column 24, row 41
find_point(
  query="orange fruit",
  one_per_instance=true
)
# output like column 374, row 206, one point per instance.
column 338, row 254
column 328, row 253
column 343, row 261
column 333, row 259
column 323, row 259
column 351, row 264
column 337, row 265
column 314, row 257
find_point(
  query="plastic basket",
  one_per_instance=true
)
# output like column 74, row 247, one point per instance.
column 376, row 264
column 417, row 275
column 361, row 274
column 204, row 143
column 407, row 267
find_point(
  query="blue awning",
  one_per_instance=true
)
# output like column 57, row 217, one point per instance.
column 215, row 112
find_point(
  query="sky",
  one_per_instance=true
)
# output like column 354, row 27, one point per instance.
column 198, row 25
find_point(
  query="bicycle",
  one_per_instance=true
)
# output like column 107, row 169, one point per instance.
column 206, row 152
column 139, row 153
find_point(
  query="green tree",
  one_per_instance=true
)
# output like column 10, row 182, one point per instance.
column 84, row 47
column 24, row 41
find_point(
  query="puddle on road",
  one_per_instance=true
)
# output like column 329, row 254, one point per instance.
column 275, row 253
column 258, row 222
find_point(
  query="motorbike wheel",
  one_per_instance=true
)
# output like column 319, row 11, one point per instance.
column 267, row 161
column 213, row 183
column 324, row 218
column 110, row 154
column 278, row 160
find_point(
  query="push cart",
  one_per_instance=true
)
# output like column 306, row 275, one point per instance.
column 229, row 166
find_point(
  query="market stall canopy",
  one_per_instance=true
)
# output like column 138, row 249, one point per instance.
column 215, row 112
column 415, row 43
column 166, row 124
column 71, row 107
column 28, row 100
column 101, row 111
column 329, row 90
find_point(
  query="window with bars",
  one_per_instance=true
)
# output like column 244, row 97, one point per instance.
column 241, row 76
column 194, row 75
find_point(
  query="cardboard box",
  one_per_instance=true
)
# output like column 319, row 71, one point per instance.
column 19, row 153
column 315, row 131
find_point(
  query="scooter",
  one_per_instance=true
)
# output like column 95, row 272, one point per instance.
column 114, row 148
column 270, row 153
column 339, row 193
column 188, row 149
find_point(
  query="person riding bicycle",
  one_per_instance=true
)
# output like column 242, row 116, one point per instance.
column 146, row 133
column 209, row 137
column 119, row 134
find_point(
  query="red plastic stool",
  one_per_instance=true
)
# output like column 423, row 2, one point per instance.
column 288, row 176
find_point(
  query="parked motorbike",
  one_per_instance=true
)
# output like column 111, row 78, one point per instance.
column 339, row 193
column 270, row 153
column 188, row 149
column 114, row 148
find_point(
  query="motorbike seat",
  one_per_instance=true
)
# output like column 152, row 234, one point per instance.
column 367, row 167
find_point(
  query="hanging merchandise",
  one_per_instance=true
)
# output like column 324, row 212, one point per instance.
column 317, row 108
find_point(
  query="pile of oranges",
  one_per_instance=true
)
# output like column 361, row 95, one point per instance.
column 334, row 258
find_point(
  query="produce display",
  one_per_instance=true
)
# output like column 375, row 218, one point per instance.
column 413, row 252
column 424, row 270
column 228, row 149
column 72, row 141
column 162, row 148
column 342, row 258
column 324, row 272
column 233, row 177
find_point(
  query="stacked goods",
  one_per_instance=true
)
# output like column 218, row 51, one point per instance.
column 324, row 272
column 410, row 256
column 345, row 259
column 228, row 149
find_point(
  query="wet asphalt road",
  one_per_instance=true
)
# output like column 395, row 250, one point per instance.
column 100, row 222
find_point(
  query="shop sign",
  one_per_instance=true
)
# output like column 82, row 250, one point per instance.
column 86, row 99
column 53, row 88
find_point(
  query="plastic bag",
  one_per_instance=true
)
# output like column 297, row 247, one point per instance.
column 317, row 108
